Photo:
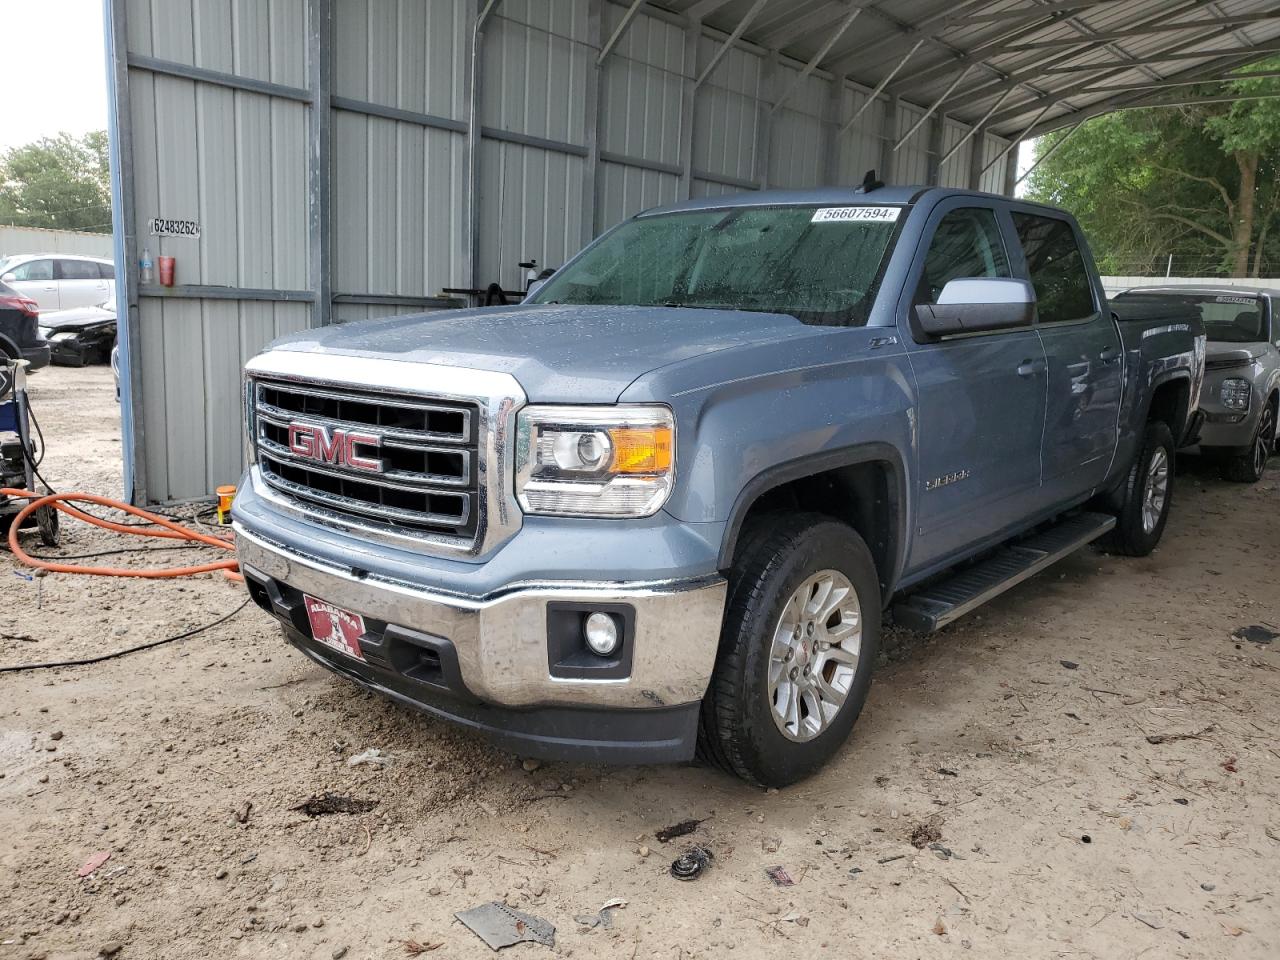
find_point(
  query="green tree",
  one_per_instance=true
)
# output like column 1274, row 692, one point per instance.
column 60, row 182
column 1199, row 182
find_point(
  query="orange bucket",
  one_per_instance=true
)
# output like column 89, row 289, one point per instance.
column 226, row 496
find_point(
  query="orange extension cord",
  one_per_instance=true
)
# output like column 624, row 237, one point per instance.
column 169, row 531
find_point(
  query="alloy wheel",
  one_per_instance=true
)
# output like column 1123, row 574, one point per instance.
column 814, row 655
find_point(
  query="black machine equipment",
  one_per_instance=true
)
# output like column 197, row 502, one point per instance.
column 19, row 458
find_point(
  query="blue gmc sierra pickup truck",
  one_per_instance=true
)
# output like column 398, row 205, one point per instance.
column 660, row 508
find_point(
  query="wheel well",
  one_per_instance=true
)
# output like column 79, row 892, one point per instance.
column 1170, row 403
column 10, row 348
column 863, row 495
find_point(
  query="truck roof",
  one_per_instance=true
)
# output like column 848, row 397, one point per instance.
column 833, row 196
column 1203, row 289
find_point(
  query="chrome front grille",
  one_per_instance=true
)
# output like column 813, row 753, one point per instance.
column 427, row 481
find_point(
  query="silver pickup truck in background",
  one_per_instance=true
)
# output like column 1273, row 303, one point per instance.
column 1241, row 395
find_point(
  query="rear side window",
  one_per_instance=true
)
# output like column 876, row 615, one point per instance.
column 78, row 270
column 107, row 271
column 965, row 244
column 34, row 270
column 1055, row 267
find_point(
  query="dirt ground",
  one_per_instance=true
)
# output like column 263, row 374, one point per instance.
column 1019, row 741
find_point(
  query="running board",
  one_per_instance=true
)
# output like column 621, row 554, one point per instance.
column 936, row 605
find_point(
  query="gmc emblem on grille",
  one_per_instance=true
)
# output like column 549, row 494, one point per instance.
column 336, row 447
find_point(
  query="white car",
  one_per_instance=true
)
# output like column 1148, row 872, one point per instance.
column 60, row 281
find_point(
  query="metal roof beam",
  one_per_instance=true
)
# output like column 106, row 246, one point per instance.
column 729, row 41
column 975, row 128
column 704, row 8
column 1273, row 47
column 874, row 94
column 1050, row 152
column 1013, row 144
column 792, row 27
column 929, row 113
column 1199, row 72
column 619, row 30
column 1141, row 32
column 927, row 28
column 1160, row 84
column 990, row 89
column 1097, row 110
column 1044, row 9
column 817, row 58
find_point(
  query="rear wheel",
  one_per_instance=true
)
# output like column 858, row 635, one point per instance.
column 1146, row 496
column 1249, row 467
column 799, row 641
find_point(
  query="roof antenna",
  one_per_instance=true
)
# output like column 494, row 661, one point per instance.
column 869, row 183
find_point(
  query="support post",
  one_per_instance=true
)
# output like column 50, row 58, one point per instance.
column 471, row 94
column 937, row 130
column 764, row 121
column 831, row 162
column 591, row 111
column 888, row 133
column 975, row 158
column 688, row 102
column 319, row 194
column 125, row 251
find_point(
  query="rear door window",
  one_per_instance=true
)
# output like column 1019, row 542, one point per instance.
column 965, row 244
column 1055, row 267
column 107, row 271
column 78, row 270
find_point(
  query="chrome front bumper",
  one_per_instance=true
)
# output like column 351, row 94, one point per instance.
column 501, row 640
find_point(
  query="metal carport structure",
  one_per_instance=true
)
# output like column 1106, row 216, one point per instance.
column 341, row 159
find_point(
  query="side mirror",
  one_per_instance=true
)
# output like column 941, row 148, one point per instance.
column 8, row 278
column 976, row 304
column 533, row 289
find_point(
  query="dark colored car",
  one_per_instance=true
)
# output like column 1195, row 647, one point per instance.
column 19, row 329
column 81, row 336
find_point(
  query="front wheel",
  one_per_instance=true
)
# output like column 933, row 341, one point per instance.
column 1146, row 496
column 798, row 644
column 1249, row 467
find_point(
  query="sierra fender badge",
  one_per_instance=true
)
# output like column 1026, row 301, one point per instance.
column 947, row 480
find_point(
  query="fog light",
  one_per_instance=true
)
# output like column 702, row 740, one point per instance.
column 601, row 633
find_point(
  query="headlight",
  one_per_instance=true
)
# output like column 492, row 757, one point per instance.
column 609, row 461
column 1234, row 393
column 44, row 332
column 62, row 335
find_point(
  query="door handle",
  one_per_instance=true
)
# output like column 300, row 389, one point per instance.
column 1109, row 355
column 1029, row 368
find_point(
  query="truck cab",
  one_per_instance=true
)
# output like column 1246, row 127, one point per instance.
column 661, row 507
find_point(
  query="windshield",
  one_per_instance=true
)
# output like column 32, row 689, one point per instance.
column 818, row 264
column 1232, row 319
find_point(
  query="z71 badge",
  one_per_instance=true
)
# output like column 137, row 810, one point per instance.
column 947, row 480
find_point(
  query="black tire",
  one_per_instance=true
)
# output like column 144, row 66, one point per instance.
column 737, row 729
column 1249, row 467
column 1131, row 536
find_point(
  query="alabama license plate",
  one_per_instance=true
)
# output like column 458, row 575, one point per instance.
column 336, row 628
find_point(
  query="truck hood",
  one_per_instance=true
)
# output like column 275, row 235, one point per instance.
column 560, row 353
column 1223, row 353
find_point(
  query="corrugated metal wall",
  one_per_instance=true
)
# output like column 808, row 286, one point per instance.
column 323, row 148
column 15, row 240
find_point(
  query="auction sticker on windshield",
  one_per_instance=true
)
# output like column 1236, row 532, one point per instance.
column 856, row 214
